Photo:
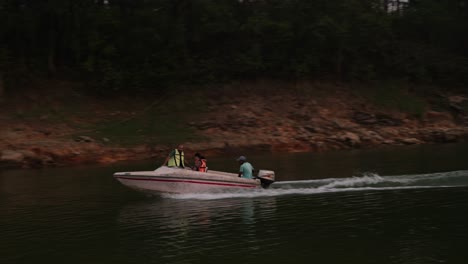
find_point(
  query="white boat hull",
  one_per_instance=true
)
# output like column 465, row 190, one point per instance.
column 176, row 180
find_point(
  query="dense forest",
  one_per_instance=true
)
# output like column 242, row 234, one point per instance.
column 143, row 45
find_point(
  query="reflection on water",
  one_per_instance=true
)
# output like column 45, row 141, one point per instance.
column 200, row 214
column 175, row 229
column 389, row 206
column 396, row 226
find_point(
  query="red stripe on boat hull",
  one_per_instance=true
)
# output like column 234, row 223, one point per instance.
column 188, row 181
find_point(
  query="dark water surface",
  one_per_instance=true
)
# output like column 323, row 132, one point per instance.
column 400, row 205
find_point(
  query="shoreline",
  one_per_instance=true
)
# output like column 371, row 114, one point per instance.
column 97, row 153
column 306, row 117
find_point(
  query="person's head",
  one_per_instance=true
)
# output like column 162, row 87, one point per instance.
column 180, row 147
column 198, row 156
column 242, row 159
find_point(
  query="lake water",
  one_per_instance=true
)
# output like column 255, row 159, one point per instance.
column 396, row 205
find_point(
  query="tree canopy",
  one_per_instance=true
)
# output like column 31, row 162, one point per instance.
column 142, row 45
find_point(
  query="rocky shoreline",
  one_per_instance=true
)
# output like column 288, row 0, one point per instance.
column 92, row 152
column 273, row 123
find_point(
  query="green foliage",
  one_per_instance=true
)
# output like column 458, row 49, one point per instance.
column 144, row 45
column 161, row 123
column 147, row 129
column 395, row 96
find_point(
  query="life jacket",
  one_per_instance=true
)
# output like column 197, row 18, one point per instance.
column 177, row 160
column 202, row 167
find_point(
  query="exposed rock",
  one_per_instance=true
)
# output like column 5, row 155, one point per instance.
column 11, row 156
column 298, row 116
column 301, row 138
column 458, row 105
column 364, row 118
column 350, row 139
column 386, row 120
column 457, row 109
column 390, row 132
column 464, row 121
column 378, row 119
column 45, row 132
column 318, row 145
column 410, row 141
column 371, row 137
column 310, row 129
column 204, row 124
column 435, row 117
column 343, row 124
column 84, row 139
column 249, row 122
column 457, row 99
column 25, row 158
column 334, row 143
column 268, row 109
column 439, row 135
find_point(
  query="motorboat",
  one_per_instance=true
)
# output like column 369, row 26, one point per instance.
column 184, row 180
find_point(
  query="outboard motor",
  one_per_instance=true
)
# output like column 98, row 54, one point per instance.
column 266, row 177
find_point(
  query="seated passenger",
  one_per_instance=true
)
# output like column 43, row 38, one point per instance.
column 200, row 163
column 176, row 158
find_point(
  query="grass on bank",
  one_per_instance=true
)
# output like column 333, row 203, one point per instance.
column 393, row 96
column 124, row 121
column 148, row 128
column 159, row 120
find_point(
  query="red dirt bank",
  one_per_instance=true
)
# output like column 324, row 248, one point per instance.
column 280, row 121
